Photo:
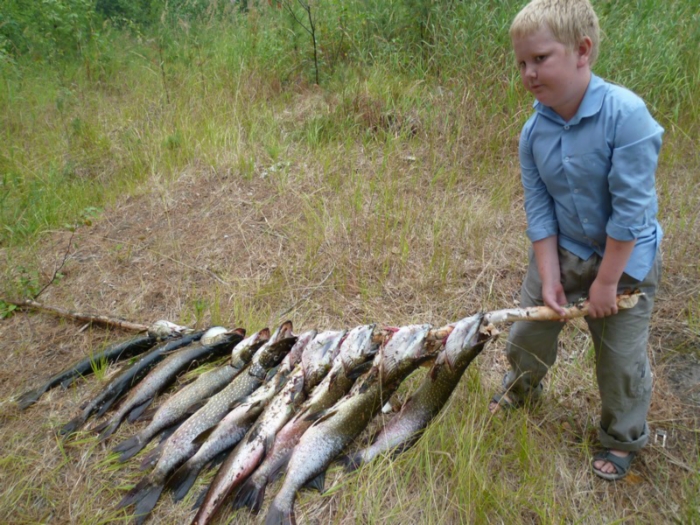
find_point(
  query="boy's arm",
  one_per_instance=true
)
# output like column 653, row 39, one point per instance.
column 547, row 258
column 604, row 288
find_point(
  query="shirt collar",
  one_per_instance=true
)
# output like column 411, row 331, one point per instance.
column 590, row 105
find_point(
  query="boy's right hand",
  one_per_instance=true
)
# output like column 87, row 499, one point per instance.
column 554, row 296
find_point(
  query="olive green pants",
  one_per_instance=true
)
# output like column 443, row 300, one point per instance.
column 620, row 341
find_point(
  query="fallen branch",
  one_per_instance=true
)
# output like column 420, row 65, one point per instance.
column 83, row 317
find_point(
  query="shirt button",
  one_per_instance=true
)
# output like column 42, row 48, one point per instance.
column 566, row 127
column 585, row 220
column 576, row 190
column 566, row 159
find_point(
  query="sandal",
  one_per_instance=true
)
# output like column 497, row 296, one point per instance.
column 622, row 465
column 502, row 401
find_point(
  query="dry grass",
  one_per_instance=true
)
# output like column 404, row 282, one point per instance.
column 417, row 223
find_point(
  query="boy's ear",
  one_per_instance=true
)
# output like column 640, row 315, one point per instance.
column 583, row 51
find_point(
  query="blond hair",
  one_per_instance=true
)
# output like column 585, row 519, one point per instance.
column 568, row 20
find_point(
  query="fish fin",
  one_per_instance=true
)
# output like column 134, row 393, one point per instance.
column 319, row 416
column 73, row 425
column 249, row 495
column 129, row 448
column 136, row 493
column 279, row 466
column 29, row 398
column 277, row 516
column 200, row 499
column 169, row 431
column 351, row 462
column 193, row 408
column 358, row 370
column 147, row 415
column 106, row 406
column 317, row 483
column 181, row 482
column 152, row 457
column 271, row 373
column 146, row 504
column 108, row 429
column 218, row 459
column 138, row 410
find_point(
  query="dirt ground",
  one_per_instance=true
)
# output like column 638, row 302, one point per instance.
column 206, row 248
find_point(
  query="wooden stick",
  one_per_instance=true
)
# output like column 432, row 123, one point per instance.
column 545, row 313
column 83, row 317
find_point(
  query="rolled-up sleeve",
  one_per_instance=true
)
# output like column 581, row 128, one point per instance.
column 631, row 179
column 539, row 206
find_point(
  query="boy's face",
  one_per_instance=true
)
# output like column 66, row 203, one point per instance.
column 557, row 76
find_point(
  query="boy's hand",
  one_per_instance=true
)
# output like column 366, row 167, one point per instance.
column 554, row 296
column 602, row 300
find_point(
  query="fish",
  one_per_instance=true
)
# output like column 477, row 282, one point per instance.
column 463, row 345
column 340, row 424
column 125, row 380
column 178, row 406
column 356, row 352
column 233, row 427
column 181, row 445
column 158, row 331
column 316, row 361
column 214, row 343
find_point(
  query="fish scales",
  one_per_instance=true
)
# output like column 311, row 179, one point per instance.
column 181, row 445
column 236, row 423
column 126, row 379
column 214, row 343
column 463, row 345
column 357, row 349
column 336, row 428
column 316, row 361
column 206, row 385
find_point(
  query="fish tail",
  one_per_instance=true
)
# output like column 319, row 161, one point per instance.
column 351, row 462
column 250, row 495
column 130, row 447
column 29, row 398
column 73, row 425
column 152, row 457
column 144, row 507
column 136, row 494
column 181, row 482
column 108, row 429
column 278, row 516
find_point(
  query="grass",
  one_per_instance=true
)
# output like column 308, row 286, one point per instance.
column 198, row 175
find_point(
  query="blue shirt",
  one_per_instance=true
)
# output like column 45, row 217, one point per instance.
column 594, row 176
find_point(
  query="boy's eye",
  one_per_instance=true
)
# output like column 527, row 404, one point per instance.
column 540, row 58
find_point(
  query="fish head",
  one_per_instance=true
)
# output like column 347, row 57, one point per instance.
column 272, row 353
column 284, row 331
column 243, row 352
column 465, row 334
column 318, row 356
column 295, row 355
column 358, row 347
column 406, row 347
column 214, row 334
column 162, row 329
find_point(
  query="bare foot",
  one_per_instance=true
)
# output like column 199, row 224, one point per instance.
column 606, row 466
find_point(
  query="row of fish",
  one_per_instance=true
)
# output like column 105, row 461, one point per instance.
column 283, row 404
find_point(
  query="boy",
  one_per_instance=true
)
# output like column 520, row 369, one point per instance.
column 588, row 157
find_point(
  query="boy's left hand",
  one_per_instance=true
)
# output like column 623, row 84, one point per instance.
column 602, row 300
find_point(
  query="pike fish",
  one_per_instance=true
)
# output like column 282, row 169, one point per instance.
column 237, row 422
column 181, row 445
column 316, row 361
column 179, row 405
column 125, row 380
column 338, row 426
column 353, row 359
column 215, row 342
column 158, row 331
column 463, row 345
